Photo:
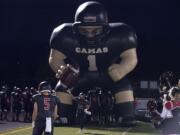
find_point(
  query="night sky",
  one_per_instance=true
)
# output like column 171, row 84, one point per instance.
column 26, row 26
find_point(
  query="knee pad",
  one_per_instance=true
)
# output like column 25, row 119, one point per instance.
column 121, row 85
column 125, row 109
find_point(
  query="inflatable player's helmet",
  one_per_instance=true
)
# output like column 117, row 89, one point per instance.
column 91, row 14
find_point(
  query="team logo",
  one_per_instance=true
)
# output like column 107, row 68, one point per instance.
column 91, row 50
column 90, row 19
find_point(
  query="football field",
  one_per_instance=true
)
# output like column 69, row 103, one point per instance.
column 142, row 128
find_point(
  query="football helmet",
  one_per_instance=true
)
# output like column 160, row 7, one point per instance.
column 167, row 80
column 82, row 95
column 151, row 105
column 91, row 21
column 44, row 86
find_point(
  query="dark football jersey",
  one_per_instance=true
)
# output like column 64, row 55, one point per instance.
column 82, row 103
column 93, row 57
column 46, row 105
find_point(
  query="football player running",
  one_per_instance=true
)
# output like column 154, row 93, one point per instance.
column 93, row 52
column 83, row 109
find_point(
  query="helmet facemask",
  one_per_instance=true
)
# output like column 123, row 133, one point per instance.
column 90, row 31
column 44, row 87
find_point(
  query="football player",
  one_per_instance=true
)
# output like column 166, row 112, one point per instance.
column 44, row 111
column 17, row 103
column 83, row 107
column 93, row 52
column 171, row 113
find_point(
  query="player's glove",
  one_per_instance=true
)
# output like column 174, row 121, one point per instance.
column 68, row 75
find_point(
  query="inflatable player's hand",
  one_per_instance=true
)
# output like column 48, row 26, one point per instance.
column 68, row 75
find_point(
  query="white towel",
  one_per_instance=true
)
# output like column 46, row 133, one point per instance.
column 166, row 113
column 33, row 124
column 87, row 112
column 48, row 125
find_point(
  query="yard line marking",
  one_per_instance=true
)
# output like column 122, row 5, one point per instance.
column 15, row 131
column 95, row 132
column 101, row 132
column 125, row 132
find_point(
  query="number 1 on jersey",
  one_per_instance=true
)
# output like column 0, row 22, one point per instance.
column 92, row 63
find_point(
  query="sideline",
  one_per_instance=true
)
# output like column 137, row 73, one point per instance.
column 15, row 131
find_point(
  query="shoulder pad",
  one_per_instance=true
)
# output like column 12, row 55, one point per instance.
column 24, row 93
column 64, row 30
column 121, row 28
column 63, row 27
column 13, row 92
column 36, row 95
column 124, row 34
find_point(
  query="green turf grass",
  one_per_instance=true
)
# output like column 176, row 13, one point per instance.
column 141, row 129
